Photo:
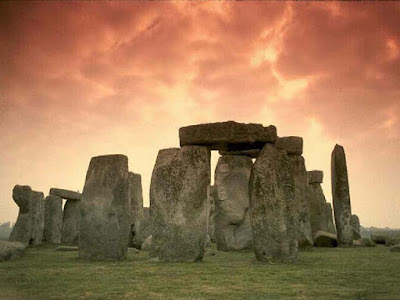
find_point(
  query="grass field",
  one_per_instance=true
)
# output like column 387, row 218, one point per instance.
column 356, row 273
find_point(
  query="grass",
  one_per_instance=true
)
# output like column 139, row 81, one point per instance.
column 355, row 273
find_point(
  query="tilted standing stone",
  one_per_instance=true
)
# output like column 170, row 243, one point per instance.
column 22, row 230
column 355, row 224
column 105, row 222
column 37, row 215
column 231, row 194
column 70, row 229
column 211, row 202
column 136, row 194
column 273, row 207
column 341, row 197
column 178, row 203
column 53, row 219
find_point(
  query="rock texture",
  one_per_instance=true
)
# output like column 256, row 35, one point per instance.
column 10, row 250
column 136, row 195
column 364, row 242
column 252, row 153
column 293, row 145
column 145, row 226
column 65, row 194
column 146, row 246
column 178, row 203
column 304, row 232
column 70, row 229
column 105, row 222
column 273, row 209
column 29, row 226
column 315, row 176
column 231, row 194
column 228, row 136
column 341, row 197
column 211, row 203
column 325, row 239
column 355, row 224
column 53, row 220
column 378, row 238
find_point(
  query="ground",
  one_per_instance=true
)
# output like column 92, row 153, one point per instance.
column 355, row 273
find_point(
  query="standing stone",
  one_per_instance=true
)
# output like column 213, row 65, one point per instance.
column 37, row 215
column 211, row 202
column 355, row 225
column 273, row 207
column 22, row 230
column 231, row 193
column 341, row 197
column 53, row 219
column 136, row 194
column 145, row 226
column 105, row 222
column 178, row 202
column 70, row 229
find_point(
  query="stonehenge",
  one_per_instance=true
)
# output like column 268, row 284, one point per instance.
column 70, row 228
column 65, row 194
column 136, row 196
column 231, row 195
column 105, row 220
column 178, row 203
column 355, row 225
column 53, row 219
column 341, row 197
column 325, row 239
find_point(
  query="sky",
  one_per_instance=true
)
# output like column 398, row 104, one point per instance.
column 81, row 79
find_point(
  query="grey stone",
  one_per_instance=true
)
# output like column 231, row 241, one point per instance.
column 355, row 224
column 364, row 242
column 315, row 176
column 178, row 203
column 208, row 241
column 136, row 195
column 145, row 226
column 66, row 248
column 325, row 239
column 228, row 136
column 133, row 250
column 53, row 220
column 105, row 222
column 65, row 194
column 147, row 244
column 379, row 238
column 37, row 215
column 231, row 194
column 341, row 197
column 273, row 207
column 304, row 233
column 293, row 145
column 391, row 241
column 211, row 202
column 252, row 153
column 395, row 248
column 70, row 229
column 10, row 250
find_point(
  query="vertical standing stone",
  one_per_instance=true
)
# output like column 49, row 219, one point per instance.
column 211, row 203
column 53, row 218
column 37, row 215
column 178, row 203
column 145, row 226
column 231, row 193
column 341, row 197
column 136, row 194
column 70, row 229
column 355, row 224
column 22, row 230
column 105, row 222
column 273, row 208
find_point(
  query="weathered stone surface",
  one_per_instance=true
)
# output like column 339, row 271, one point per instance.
column 273, row 207
column 136, row 194
column 378, row 238
column 341, row 197
column 315, row 176
column 10, row 250
column 325, row 239
column 355, row 224
column 105, row 222
column 231, row 194
column 29, row 226
column 293, row 145
column 145, row 226
column 304, row 233
column 66, row 248
column 53, row 220
column 391, row 241
column 395, row 248
column 252, row 153
column 178, row 203
column 228, row 136
column 65, row 194
column 70, row 229
column 364, row 242
column 211, row 203
column 147, row 244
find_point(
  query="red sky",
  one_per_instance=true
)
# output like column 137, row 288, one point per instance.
column 80, row 79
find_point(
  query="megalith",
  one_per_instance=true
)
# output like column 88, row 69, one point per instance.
column 70, row 229
column 53, row 220
column 341, row 197
column 211, row 202
column 136, row 195
column 105, row 221
column 37, row 215
column 231, row 194
column 65, row 194
column 355, row 225
column 145, row 226
column 273, row 207
column 178, row 203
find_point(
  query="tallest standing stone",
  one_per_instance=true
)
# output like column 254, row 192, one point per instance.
column 341, row 197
